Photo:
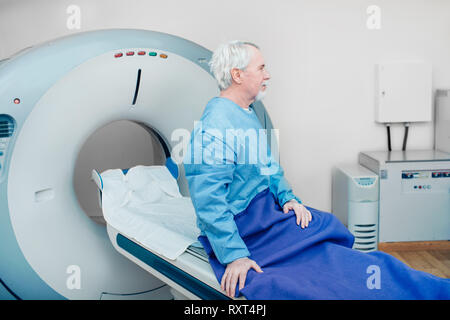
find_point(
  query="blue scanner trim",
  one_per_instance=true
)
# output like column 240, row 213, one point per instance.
column 172, row 166
column 175, row 274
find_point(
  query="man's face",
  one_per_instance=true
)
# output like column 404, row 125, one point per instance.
column 255, row 76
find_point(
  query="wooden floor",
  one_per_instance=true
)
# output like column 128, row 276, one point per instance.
column 429, row 256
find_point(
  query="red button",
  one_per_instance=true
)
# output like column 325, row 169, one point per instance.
column 118, row 55
column 130, row 53
column 141, row 53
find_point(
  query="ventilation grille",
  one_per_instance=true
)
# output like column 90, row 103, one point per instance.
column 6, row 127
column 365, row 237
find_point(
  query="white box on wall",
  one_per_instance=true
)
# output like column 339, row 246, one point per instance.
column 403, row 92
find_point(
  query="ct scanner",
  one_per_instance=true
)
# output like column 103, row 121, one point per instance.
column 52, row 98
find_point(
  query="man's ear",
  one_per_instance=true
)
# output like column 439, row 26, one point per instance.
column 236, row 75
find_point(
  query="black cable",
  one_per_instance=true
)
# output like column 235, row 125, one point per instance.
column 389, row 136
column 405, row 137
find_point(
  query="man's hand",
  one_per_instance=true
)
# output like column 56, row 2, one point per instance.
column 303, row 214
column 237, row 270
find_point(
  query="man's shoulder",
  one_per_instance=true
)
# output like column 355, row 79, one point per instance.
column 217, row 112
column 218, row 105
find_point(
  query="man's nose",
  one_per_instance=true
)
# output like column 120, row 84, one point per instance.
column 267, row 75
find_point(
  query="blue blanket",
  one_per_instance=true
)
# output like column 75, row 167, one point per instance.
column 318, row 262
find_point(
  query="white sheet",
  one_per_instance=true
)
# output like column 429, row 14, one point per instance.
column 146, row 205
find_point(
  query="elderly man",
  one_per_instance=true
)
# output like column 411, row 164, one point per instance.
column 224, row 183
column 249, row 216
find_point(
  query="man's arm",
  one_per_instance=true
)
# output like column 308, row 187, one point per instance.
column 208, row 186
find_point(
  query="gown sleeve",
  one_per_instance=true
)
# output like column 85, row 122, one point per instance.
column 208, row 186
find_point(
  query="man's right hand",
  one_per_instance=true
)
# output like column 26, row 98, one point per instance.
column 237, row 270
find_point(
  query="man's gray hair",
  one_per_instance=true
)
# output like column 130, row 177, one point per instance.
column 234, row 54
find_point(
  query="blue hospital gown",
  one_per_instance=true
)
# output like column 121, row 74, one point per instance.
column 226, row 166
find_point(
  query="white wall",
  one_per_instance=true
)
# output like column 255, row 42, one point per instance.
column 321, row 56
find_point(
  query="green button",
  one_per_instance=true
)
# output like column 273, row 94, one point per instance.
column 152, row 54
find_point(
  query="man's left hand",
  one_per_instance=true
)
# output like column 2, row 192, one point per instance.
column 303, row 214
